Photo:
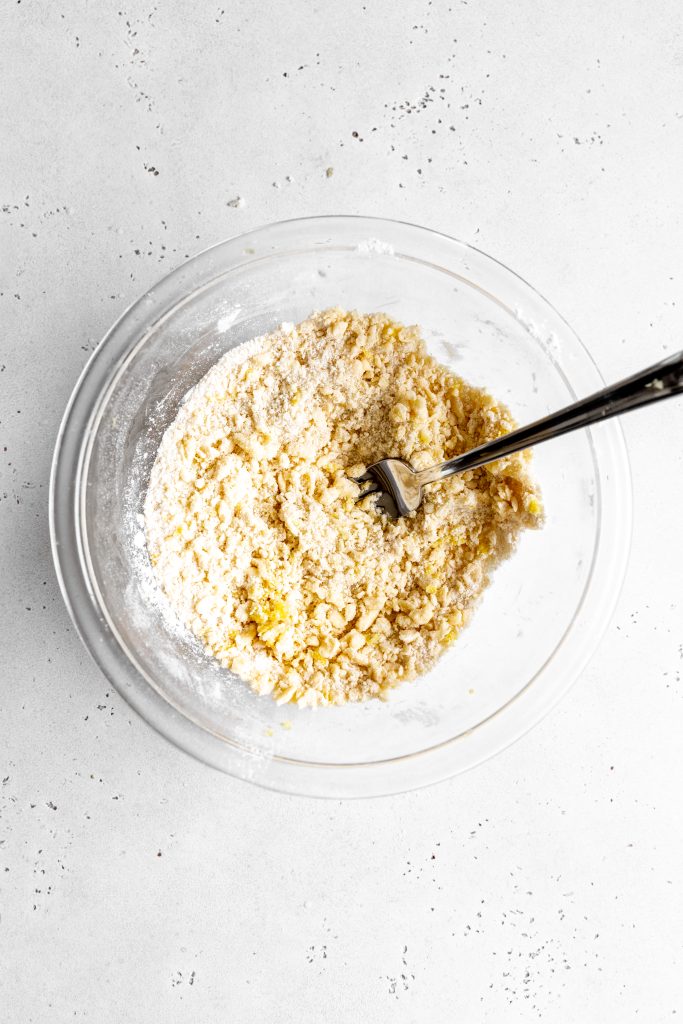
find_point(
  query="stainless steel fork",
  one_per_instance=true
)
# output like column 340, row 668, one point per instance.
column 399, row 487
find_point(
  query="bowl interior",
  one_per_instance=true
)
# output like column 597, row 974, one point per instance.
column 478, row 319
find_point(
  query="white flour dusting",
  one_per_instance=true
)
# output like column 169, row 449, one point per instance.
column 375, row 247
column 548, row 339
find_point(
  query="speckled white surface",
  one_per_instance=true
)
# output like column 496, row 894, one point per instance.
column 138, row 886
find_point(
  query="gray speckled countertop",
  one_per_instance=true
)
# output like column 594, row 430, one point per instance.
column 138, row 886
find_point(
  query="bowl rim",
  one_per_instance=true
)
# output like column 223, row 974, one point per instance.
column 407, row 771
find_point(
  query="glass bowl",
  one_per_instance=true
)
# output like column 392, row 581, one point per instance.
column 539, row 621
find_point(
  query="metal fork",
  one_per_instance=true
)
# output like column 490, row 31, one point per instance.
column 399, row 486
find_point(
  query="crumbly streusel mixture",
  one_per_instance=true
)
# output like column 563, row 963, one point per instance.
column 254, row 529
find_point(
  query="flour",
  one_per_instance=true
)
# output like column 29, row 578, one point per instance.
column 549, row 340
column 225, row 322
column 254, row 529
column 376, row 247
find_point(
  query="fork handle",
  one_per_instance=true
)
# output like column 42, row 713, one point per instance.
column 662, row 380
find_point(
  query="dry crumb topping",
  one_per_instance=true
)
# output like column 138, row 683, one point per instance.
column 254, row 529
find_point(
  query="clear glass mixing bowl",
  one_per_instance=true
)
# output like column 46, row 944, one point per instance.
column 539, row 621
